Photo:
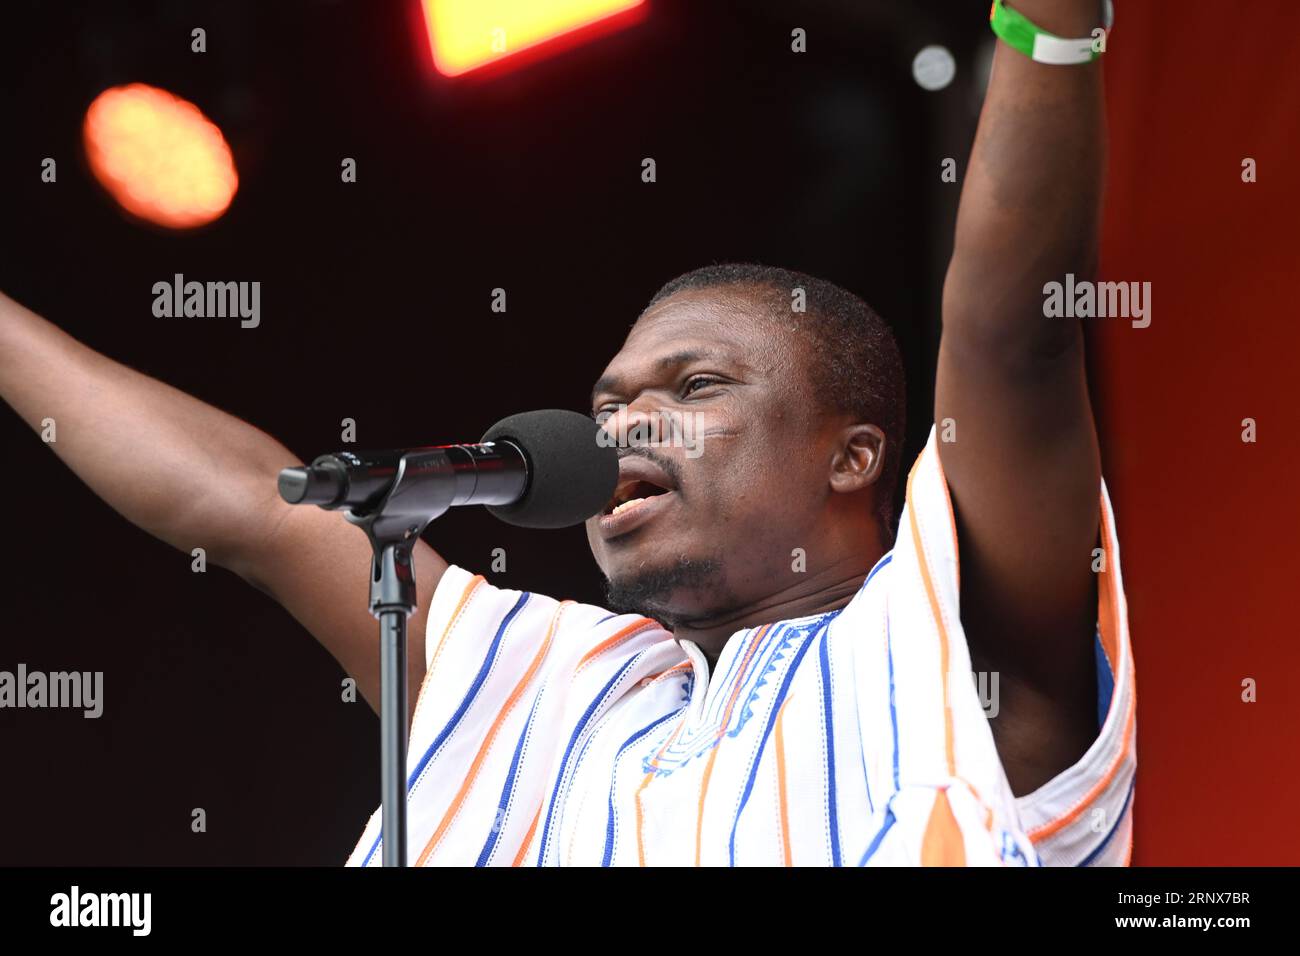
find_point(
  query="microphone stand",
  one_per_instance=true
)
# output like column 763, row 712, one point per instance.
column 392, row 601
column 393, row 522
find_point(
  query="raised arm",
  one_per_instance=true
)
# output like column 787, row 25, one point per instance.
column 1024, row 470
column 198, row 477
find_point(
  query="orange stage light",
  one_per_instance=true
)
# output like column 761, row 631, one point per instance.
column 466, row 34
column 159, row 156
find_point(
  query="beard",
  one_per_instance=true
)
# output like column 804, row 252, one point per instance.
column 648, row 592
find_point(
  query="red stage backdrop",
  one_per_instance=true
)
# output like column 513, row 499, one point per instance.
column 1208, row 524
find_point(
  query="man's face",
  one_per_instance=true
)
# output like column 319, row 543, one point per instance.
column 727, row 448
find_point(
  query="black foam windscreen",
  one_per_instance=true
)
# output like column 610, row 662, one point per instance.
column 571, row 475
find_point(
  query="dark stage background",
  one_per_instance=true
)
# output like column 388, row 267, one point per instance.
column 526, row 179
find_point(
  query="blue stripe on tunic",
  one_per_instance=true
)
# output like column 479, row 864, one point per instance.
column 771, row 722
column 832, row 810
column 507, row 790
column 609, row 828
column 1087, row 861
column 573, row 740
column 468, row 699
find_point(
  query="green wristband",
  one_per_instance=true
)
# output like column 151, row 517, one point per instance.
column 1021, row 33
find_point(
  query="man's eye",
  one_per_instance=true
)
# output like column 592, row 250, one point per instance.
column 698, row 381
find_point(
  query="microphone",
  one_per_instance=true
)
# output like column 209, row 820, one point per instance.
column 541, row 469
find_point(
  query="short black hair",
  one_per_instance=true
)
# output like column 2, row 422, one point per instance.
column 857, row 366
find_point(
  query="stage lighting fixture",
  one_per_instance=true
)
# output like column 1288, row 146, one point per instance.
column 467, row 34
column 159, row 156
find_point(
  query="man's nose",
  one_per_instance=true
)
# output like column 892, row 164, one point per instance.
column 633, row 424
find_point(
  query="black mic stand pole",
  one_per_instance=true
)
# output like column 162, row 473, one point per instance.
column 392, row 601
column 393, row 524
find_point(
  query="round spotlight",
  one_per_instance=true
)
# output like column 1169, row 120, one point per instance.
column 159, row 156
column 933, row 68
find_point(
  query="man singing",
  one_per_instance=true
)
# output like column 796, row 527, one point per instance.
column 787, row 673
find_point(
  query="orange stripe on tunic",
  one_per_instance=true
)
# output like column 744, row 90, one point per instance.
column 654, row 678
column 952, row 516
column 937, row 612
column 451, row 622
column 502, row 714
column 942, row 844
column 615, row 640
column 640, row 815
column 782, row 801
column 528, row 838
column 722, row 730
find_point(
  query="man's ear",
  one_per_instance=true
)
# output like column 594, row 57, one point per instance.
column 859, row 458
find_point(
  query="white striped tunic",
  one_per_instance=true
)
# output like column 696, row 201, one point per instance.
column 555, row 733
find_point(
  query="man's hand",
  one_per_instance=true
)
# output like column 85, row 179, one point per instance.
column 1024, row 471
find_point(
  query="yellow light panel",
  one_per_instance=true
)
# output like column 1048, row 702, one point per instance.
column 465, row 34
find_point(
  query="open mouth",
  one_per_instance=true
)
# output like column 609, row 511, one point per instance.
column 631, row 493
column 645, row 489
